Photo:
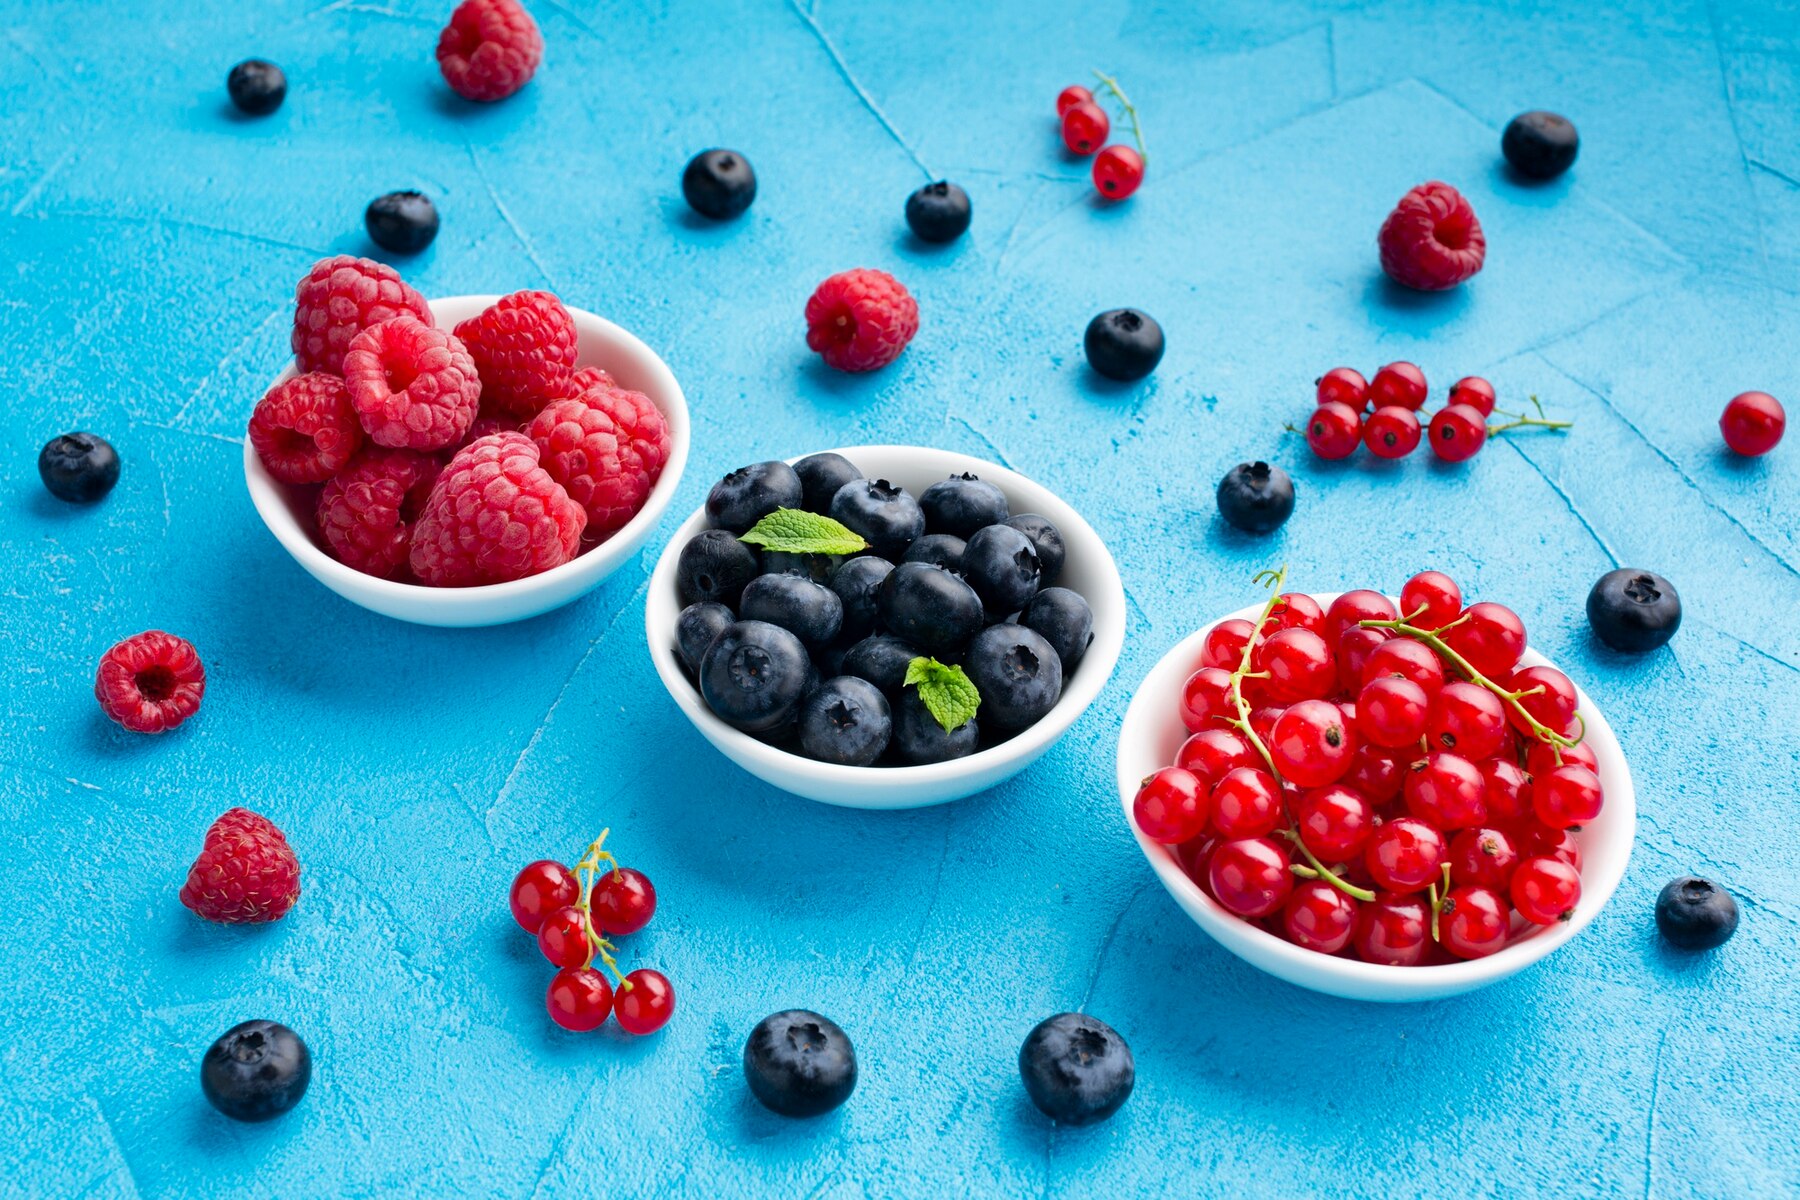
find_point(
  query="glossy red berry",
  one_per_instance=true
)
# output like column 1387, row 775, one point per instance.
column 1475, row 392
column 1206, row 699
column 1391, row 432
column 1507, row 790
column 1312, row 744
column 1195, row 857
column 1171, row 806
column 645, row 1002
column 1263, row 719
column 1341, row 385
column 1404, row 658
column 539, row 889
column 1210, row 753
column 1468, row 719
column 1299, row 666
column 1250, row 877
column 1354, row 650
column 1430, row 599
column 1392, row 930
column 1546, row 890
column 1753, row 423
column 1334, row 822
column 1483, row 856
column 1537, row 840
column 1318, row 917
column 623, row 901
column 563, row 937
column 1070, row 96
column 1458, row 433
column 1084, row 127
column 1352, row 607
column 1405, row 854
column 1334, row 431
column 1295, row 610
column 1246, row 804
column 1398, row 383
column 1447, row 791
column 1392, row 712
column 1224, row 644
column 1552, row 699
column 1377, row 773
column 1491, row 640
column 579, row 999
column 1118, row 170
column 1566, row 796
column 1542, row 757
column 1474, row 922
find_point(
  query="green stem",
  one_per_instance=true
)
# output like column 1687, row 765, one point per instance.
column 587, row 871
column 1137, row 132
column 1522, row 421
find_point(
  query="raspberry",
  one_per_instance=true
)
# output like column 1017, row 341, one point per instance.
column 305, row 430
column 493, row 515
column 490, row 49
column 606, row 447
column 860, row 320
column 524, row 347
column 589, row 377
column 339, row 298
column 1432, row 241
column 483, row 426
column 246, row 872
column 366, row 514
column 150, row 683
column 414, row 387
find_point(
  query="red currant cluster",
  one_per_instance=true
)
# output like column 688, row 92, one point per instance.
column 1383, row 414
column 1376, row 780
column 1118, row 169
column 570, row 912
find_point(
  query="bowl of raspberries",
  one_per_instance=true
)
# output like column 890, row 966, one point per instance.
column 884, row 626
column 465, row 461
column 1374, row 797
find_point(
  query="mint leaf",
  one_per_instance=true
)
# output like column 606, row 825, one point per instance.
column 948, row 694
column 791, row 531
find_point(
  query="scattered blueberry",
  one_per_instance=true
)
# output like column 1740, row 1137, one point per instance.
column 858, row 584
column 845, row 721
column 821, row 475
column 754, row 675
column 695, row 629
column 938, row 212
column 1076, row 1069
column 748, row 494
column 255, row 1071
column 882, row 660
column 799, row 1064
column 1633, row 610
column 78, row 467
column 810, row 611
column 929, row 607
column 256, row 87
column 1696, row 915
column 885, row 514
column 1062, row 618
column 1540, row 145
column 714, row 565
column 920, row 739
column 1002, row 565
column 1256, row 497
column 962, row 504
column 1048, row 540
column 1017, row 673
column 401, row 222
column 718, row 184
column 1123, row 344
column 938, row 549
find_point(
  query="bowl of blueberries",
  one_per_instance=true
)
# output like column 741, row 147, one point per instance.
column 884, row 626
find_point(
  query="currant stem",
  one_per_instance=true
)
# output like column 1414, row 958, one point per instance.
column 1438, row 899
column 1522, row 421
column 587, row 871
column 1137, row 132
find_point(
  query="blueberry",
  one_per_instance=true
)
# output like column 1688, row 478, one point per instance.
column 718, row 184
column 1633, row 610
column 695, row 629
column 810, row 611
column 816, row 567
column 939, row 549
column 714, row 565
column 401, row 222
column 821, row 475
column 1017, row 673
column 962, row 504
column 919, row 739
column 799, row 1064
column 1123, row 344
column 255, row 1071
column 1540, row 145
column 1048, row 540
column 938, row 212
column 256, row 87
column 749, row 494
column 845, row 721
column 928, row 606
column 1064, row 620
column 829, row 658
column 1696, row 915
column 1256, row 497
column 1077, row 1069
column 1002, row 565
column 858, row 585
column 882, row 660
column 754, row 675
column 883, row 513
column 78, row 467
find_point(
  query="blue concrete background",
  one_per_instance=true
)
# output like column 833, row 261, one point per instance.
column 149, row 242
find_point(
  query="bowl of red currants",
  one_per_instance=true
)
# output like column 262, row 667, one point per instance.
column 1374, row 797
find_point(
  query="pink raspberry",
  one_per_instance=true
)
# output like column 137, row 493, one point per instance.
column 246, row 873
column 494, row 515
column 150, row 683
column 860, row 320
column 607, row 448
column 366, row 514
column 490, row 49
column 586, row 378
column 339, row 298
column 1432, row 241
column 413, row 387
column 486, row 425
column 524, row 347
column 305, row 429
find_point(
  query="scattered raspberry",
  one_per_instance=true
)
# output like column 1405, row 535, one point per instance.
column 366, row 514
column 860, row 320
column 494, row 514
column 339, row 298
column 246, row 872
column 604, row 450
column 524, row 347
column 150, row 683
column 589, row 377
column 304, row 430
column 490, row 49
column 414, row 387
column 1432, row 241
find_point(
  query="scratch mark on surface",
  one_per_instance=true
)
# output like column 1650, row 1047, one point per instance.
column 937, row 887
column 29, row 769
column 1764, row 167
column 37, row 188
column 1568, row 501
column 984, row 439
column 1662, row 1040
column 373, row 10
column 862, row 94
column 554, row 1154
column 1331, row 56
column 518, row 231
column 178, row 223
column 1737, row 137
column 199, row 433
column 1106, row 944
column 578, row 21
column 1748, row 645
column 1142, row 612
column 254, row 335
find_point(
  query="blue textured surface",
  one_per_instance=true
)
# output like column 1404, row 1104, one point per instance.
column 150, row 241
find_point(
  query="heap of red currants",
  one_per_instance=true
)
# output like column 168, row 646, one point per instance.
column 1118, row 169
column 1383, row 414
column 1379, row 781
column 571, row 912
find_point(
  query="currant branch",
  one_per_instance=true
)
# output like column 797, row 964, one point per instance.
column 587, row 872
column 1440, row 901
column 1523, row 421
column 1137, row 132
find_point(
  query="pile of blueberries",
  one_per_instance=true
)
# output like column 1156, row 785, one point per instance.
column 812, row 651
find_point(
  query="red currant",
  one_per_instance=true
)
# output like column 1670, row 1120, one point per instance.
column 623, row 901
column 1391, row 432
column 1353, row 651
column 1195, row 857
column 1070, row 96
column 1475, row 392
column 1118, row 170
column 1352, row 607
column 1312, row 744
column 1474, row 922
column 1430, row 599
column 1546, row 890
column 1447, row 791
column 563, row 937
column 1206, row 699
column 1405, row 854
column 1295, row 610
column 1399, row 383
column 1377, row 773
column 579, row 998
column 1171, row 805
column 1341, row 385
column 1299, row 666
column 1508, row 789
column 1318, row 917
column 1334, row 430
column 538, row 889
column 1405, row 658
column 1262, row 720
column 1391, row 712
column 1334, row 821
column 1543, row 757
column 1468, row 719
column 1753, row 423
column 1552, row 701
column 1392, row 931
column 1084, row 127
column 1490, row 640
column 1246, row 804
column 1224, row 644
column 1483, row 856
column 1250, row 877
column 1457, row 433
column 1536, row 839
column 1566, row 797
column 1210, row 753
column 645, row 1002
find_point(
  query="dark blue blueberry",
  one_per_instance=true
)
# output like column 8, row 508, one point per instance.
column 255, row 1071
column 1077, row 1069
column 821, row 475
column 1064, row 620
column 78, row 467
column 882, row 660
column 939, row 549
column 1002, row 565
column 928, row 606
column 858, row 585
column 256, row 87
column 919, row 739
column 829, row 658
column 845, row 721
column 1048, row 541
column 749, row 494
column 754, row 675
column 1633, row 610
column 714, row 565
column 1123, row 344
column 1017, row 673
column 401, row 222
column 1696, row 915
column 1256, row 497
column 884, row 514
column 816, row 567
column 718, row 184
column 938, row 212
column 962, row 504
column 696, row 627
column 799, row 1064
column 810, row 611
column 1540, row 145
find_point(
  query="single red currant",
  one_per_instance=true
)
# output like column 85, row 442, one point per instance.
column 1262, row 720
column 1295, row 610
column 1341, row 385
column 1490, row 640
column 1391, row 712
column 1551, row 698
column 1299, row 666
column 1377, row 773
column 1753, row 423
column 1250, row 877
column 1352, row 607
column 1483, row 856
column 1447, row 791
column 1195, row 858
column 1537, row 840
column 540, row 888
column 1171, row 805
column 1334, row 431
column 1566, row 797
column 1404, row 658
column 1393, row 931
column 1354, row 649
column 1468, row 719
column 1118, row 170
column 1318, row 917
column 1391, row 432
column 1210, row 753
column 563, row 937
column 1399, row 383
column 1542, row 757
column 1070, row 96
column 623, row 901
column 1475, row 392
column 1224, row 644
column 1430, row 599
column 1507, row 791
column 1312, row 744
column 579, row 998
column 1246, row 804
column 1474, row 922
column 1084, row 127
column 1206, row 699
column 1335, row 822
column 645, row 1002
column 1458, row 433
column 1405, row 854
column 1546, row 890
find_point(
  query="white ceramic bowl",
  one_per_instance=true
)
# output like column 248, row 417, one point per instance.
column 1153, row 732
column 1089, row 569
column 288, row 511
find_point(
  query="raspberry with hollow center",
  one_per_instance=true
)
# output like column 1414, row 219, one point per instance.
column 490, row 49
column 150, row 683
column 338, row 299
column 524, row 348
column 494, row 515
column 860, row 320
column 366, row 514
column 305, row 429
column 246, row 873
column 607, row 449
column 1432, row 240
column 413, row 387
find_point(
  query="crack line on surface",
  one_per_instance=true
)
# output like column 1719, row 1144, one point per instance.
column 579, row 22
column 1760, row 165
column 518, row 231
column 1568, row 501
column 200, row 433
column 996, row 451
column 372, row 10
column 1737, row 136
column 1662, row 1040
column 1746, row 644
column 1106, row 944
column 554, row 1155
column 1331, row 56
column 230, row 354
column 37, row 188
column 868, row 101
column 174, row 222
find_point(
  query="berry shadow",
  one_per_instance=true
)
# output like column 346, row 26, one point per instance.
column 683, row 217
column 916, row 249
column 1738, row 465
column 1417, row 309
column 1538, row 193
column 231, row 114
column 104, row 739
column 848, row 387
column 1092, row 385
column 43, row 505
column 759, row 1126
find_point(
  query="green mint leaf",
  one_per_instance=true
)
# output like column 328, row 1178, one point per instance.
column 791, row 531
column 948, row 694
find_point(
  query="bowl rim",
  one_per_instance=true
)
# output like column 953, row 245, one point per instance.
column 269, row 495
column 1599, row 882
column 1077, row 697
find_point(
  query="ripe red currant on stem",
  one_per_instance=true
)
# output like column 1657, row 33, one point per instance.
column 1537, row 840
column 1391, row 712
column 1483, row 856
column 1473, row 922
column 1508, row 790
column 1295, row 610
column 1070, row 96
column 1430, row 600
column 1549, row 696
column 1246, row 804
column 623, row 901
column 1542, row 757
column 1318, row 917
column 1490, row 639
column 1224, row 644
column 1118, row 170
column 645, row 1002
column 1351, row 607
column 1341, row 385
column 1399, row 383
column 1458, row 433
column 1206, row 699
column 1354, row 649
column 1546, row 890
column 1405, row 854
column 1334, row 822
column 1475, row 392
column 1377, row 773
column 1211, row 753
column 579, row 999
column 1334, row 430
column 539, row 889
column 1084, row 127
column 1753, row 423
column 563, row 937
column 1171, row 805
column 1393, row 930
column 1391, row 432
column 1566, row 797
column 1468, row 719
column 1404, row 658
column 1250, row 877
column 1312, row 744
column 1298, row 664
column 1447, row 791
